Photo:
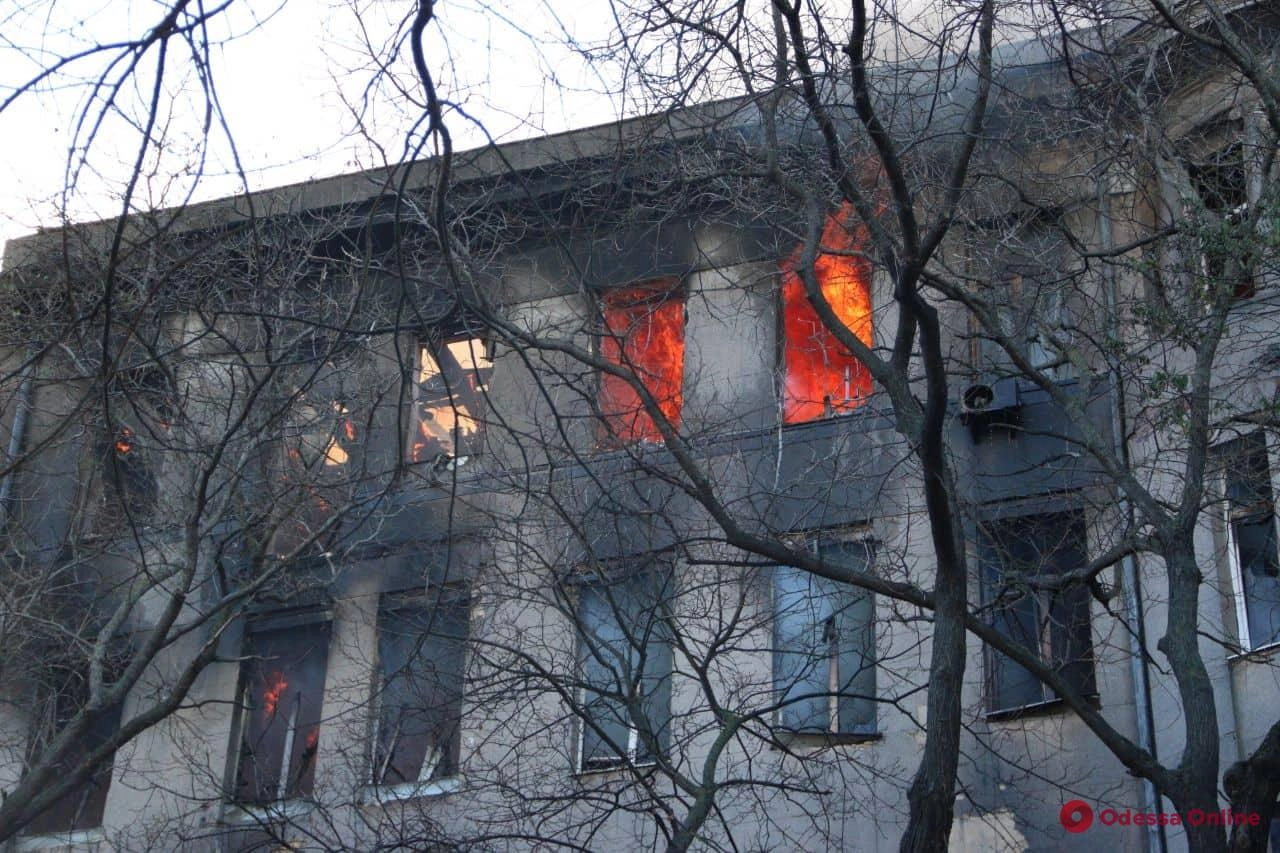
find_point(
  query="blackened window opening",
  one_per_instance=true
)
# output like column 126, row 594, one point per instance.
column 1024, row 560
column 421, row 647
column 283, row 690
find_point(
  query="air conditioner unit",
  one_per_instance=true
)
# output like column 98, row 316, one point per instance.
column 990, row 403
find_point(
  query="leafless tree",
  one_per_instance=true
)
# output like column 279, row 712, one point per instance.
column 1089, row 232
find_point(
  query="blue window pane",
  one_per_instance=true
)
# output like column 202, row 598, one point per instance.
column 824, row 650
column 624, row 652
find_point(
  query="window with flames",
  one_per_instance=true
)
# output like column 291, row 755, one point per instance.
column 643, row 335
column 450, row 388
column 821, row 377
column 283, row 679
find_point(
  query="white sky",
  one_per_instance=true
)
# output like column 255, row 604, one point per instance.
column 282, row 81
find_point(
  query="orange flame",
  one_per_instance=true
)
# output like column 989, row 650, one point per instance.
column 822, row 377
column 271, row 696
column 645, row 334
column 124, row 443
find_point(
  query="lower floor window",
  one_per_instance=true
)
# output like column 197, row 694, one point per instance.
column 624, row 661
column 824, row 646
column 1023, row 562
column 419, row 700
column 283, row 688
column 82, row 806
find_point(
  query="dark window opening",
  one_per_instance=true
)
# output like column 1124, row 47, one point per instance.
column 643, row 334
column 820, row 376
column 449, row 395
column 419, row 700
column 1252, row 528
column 1022, row 559
column 1221, row 182
column 824, row 661
column 624, row 661
column 129, row 489
column 81, row 807
column 283, row 688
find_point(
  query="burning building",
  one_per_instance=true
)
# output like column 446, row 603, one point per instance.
column 606, row 533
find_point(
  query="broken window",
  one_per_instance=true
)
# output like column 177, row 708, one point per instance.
column 449, row 394
column 280, row 705
column 81, row 807
column 130, row 439
column 419, row 700
column 1221, row 182
column 129, row 487
column 624, row 661
column 1019, row 268
column 1023, row 562
column 824, row 645
column 1251, row 530
column 643, row 334
column 820, row 376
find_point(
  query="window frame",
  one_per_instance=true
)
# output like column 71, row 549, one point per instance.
column 428, row 604
column 1050, row 629
column 100, row 729
column 1229, row 204
column 1026, row 274
column 462, row 447
column 625, row 422
column 835, row 706
column 650, row 579
column 857, row 380
column 1230, row 518
column 321, row 620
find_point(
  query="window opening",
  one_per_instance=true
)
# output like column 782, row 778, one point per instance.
column 644, row 334
column 419, row 700
column 820, row 376
column 283, row 677
column 1022, row 558
column 824, row 644
column 449, row 393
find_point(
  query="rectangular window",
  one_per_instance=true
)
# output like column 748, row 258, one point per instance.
column 824, row 661
column 449, row 395
column 624, row 661
column 419, row 699
column 643, row 334
column 1020, row 264
column 82, row 807
column 1251, row 528
column 821, row 377
column 281, row 695
column 1023, row 559
column 1221, row 182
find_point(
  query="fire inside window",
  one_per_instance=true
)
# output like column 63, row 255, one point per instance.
column 644, row 334
column 283, row 679
column 821, row 377
column 452, row 381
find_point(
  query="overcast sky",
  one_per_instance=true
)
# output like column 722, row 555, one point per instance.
column 286, row 75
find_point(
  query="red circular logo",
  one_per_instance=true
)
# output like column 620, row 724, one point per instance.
column 1076, row 816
